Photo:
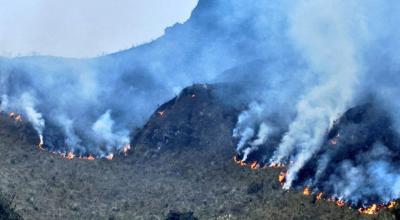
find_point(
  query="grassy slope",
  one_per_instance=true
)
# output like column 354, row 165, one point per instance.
column 180, row 162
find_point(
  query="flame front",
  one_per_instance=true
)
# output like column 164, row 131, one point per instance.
column 374, row 209
column 70, row 155
column 239, row 162
column 277, row 165
column 370, row 210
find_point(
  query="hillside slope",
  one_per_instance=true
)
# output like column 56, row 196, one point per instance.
column 181, row 162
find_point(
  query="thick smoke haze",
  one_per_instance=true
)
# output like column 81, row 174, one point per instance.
column 299, row 66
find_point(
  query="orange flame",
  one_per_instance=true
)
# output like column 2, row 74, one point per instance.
column 374, row 209
column 319, row 196
column 340, row 203
column 70, row 156
column 370, row 210
column 392, row 205
column 18, row 118
column 282, row 177
column 110, row 156
column 15, row 116
column 306, row 191
column 254, row 165
column 239, row 162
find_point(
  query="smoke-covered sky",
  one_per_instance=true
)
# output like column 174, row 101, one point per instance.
column 76, row 28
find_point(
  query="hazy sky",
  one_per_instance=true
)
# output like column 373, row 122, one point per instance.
column 82, row 28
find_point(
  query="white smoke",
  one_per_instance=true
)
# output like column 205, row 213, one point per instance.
column 103, row 128
column 28, row 104
column 348, row 52
column 324, row 35
column 264, row 132
column 72, row 139
column 247, row 121
column 253, row 124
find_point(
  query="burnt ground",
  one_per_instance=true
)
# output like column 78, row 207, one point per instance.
column 181, row 162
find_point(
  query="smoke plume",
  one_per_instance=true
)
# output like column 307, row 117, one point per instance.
column 299, row 66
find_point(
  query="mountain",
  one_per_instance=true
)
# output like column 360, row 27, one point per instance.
column 180, row 164
column 243, row 62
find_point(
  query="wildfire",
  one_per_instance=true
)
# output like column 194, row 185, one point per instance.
column 90, row 157
column 306, row 191
column 374, row 209
column 277, row 165
column 340, row 203
column 161, row 113
column 41, row 142
column 333, row 142
column 70, row 156
column 282, row 177
column 319, row 196
column 370, row 210
column 18, row 118
column 254, row 165
column 110, row 156
column 15, row 116
column 239, row 162
column 392, row 205
column 126, row 148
